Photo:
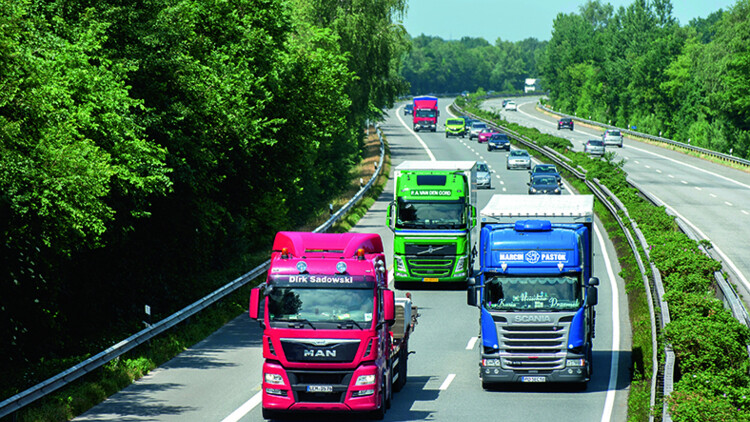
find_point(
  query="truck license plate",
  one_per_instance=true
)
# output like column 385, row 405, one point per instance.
column 319, row 388
column 533, row 379
column 431, row 279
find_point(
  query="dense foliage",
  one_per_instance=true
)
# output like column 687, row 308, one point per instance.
column 638, row 67
column 438, row 66
column 144, row 144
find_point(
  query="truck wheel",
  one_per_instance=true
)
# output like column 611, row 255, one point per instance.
column 402, row 368
column 446, row 135
column 270, row 414
column 379, row 413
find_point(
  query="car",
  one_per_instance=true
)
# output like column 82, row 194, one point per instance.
column 484, row 175
column 498, row 141
column 594, row 147
column 511, row 106
column 485, row 136
column 455, row 127
column 547, row 170
column 476, row 128
column 518, row 158
column 504, row 103
column 544, row 184
column 408, row 109
column 565, row 123
column 468, row 121
column 612, row 137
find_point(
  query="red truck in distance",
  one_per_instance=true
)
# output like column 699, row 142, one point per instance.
column 335, row 338
column 425, row 113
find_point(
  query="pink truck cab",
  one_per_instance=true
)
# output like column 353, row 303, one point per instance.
column 335, row 337
column 425, row 113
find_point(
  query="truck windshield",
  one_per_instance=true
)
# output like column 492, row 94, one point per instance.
column 316, row 305
column 431, row 215
column 426, row 112
column 534, row 293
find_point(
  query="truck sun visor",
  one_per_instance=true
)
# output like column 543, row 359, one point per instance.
column 533, row 225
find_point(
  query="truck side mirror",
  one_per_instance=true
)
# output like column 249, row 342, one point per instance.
column 472, row 292
column 593, row 281
column 254, row 303
column 390, row 215
column 592, row 296
column 389, row 306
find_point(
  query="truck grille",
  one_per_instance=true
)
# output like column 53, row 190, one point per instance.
column 532, row 347
column 426, row 267
column 299, row 380
column 430, row 250
column 320, row 350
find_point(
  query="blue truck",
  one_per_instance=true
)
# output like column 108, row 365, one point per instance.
column 535, row 290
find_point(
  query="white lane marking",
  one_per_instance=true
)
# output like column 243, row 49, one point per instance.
column 448, row 380
column 698, row 188
column 429, row 153
column 244, row 409
column 647, row 166
column 658, row 171
column 671, row 176
column 683, row 182
column 713, row 195
column 472, row 342
column 505, row 189
column 614, row 367
column 698, row 231
column 745, row 212
column 728, row 203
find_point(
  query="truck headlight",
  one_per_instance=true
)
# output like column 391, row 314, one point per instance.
column 490, row 362
column 365, row 380
column 576, row 363
column 400, row 264
column 274, row 379
column 460, row 264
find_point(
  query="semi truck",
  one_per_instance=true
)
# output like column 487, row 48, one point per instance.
column 335, row 338
column 425, row 114
column 535, row 290
column 432, row 216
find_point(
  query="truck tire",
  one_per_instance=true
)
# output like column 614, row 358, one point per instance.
column 402, row 368
column 379, row 413
column 270, row 414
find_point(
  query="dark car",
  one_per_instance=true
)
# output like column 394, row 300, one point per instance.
column 565, row 123
column 544, row 184
column 408, row 109
column 498, row 141
column 545, row 170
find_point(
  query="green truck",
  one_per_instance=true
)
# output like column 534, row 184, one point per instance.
column 432, row 217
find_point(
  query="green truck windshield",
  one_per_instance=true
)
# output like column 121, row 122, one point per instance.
column 431, row 215
column 535, row 293
column 320, row 304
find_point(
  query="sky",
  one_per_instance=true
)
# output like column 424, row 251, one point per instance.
column 516, row 20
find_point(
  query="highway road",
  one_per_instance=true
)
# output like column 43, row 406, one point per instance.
column 712, row 198
column 219, row 378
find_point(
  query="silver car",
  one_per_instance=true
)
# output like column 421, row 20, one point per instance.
column 484, row 175
column 594, row 147
column 518, row 159
column 612, row 137
column 477, row 127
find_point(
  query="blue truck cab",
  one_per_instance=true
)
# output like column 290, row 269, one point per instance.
column 535, row 290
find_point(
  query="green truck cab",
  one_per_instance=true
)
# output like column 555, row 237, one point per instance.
column 455, row 126
column 432, row 217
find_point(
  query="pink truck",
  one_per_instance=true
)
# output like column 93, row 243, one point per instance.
column 425, row 114
column 335, row 337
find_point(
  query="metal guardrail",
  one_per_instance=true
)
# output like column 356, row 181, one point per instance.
column 598, row 189
column 720, row 155
column 40, row 390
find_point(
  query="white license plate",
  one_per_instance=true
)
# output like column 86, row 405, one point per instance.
column 319, row 388
column 533, row 379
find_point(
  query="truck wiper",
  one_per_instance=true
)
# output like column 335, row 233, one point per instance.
column 297, row 323
column 344, row 322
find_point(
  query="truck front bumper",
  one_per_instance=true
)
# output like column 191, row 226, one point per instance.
column 293, row 393
column 498, row 375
